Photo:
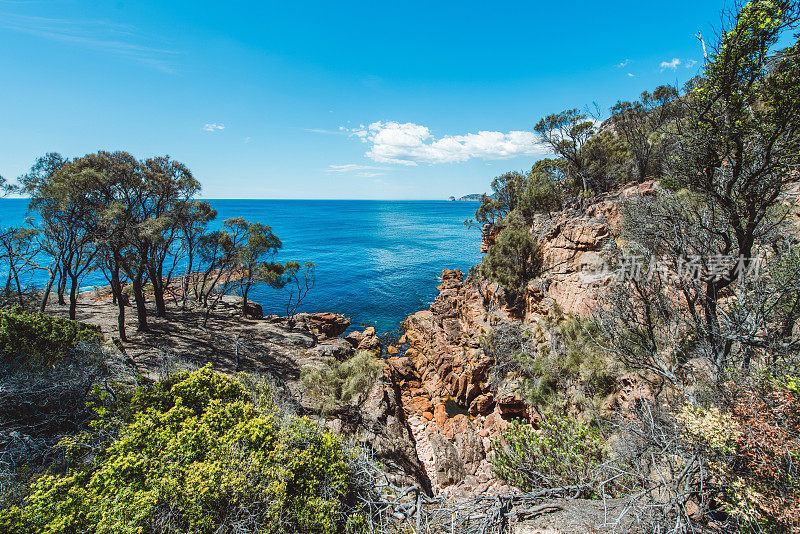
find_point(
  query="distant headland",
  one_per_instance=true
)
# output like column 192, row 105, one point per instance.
column 473, row 197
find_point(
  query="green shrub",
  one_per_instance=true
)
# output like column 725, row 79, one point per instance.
column 562, row 452
column 571, row 361
column 514, row 259
column 335, row 384
column 195, row 454
column 33, row 338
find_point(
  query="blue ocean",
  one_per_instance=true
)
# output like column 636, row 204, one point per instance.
column 377, row 261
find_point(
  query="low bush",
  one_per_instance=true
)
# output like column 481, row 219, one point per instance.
column 561, row 452
column 34, row 339
column 195, row 453
column 335, row 384
column 513, row 260
column 765, row 474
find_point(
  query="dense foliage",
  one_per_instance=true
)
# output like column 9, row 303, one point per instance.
column 34, row 339
column 195, row 453
column 559, row 452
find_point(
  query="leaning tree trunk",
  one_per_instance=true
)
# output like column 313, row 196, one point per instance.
column 62, row 286
column 158, row 293
column 47, row 289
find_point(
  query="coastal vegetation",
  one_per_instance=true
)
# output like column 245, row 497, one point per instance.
column 137, row 222
column 717, row 349
column 196, row 452
column 669, row 397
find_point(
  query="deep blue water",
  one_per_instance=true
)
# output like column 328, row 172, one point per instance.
column 377, row 261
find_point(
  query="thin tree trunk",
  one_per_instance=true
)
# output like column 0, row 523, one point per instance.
column 158, row 292
column 62, row 285
column 141, row 308
column 185, row 284
column 73, row 296
column 47, row 289
column 116, row 289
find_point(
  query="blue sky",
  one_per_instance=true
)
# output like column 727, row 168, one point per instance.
column 405, row 100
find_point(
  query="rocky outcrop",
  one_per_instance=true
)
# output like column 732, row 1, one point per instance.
column 451, row 406
column 379, row 423
column 366, row 340
column 337, row 348
column 454, row 409
column 325, row 325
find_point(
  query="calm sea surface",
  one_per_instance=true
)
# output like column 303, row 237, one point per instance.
column 377, row 261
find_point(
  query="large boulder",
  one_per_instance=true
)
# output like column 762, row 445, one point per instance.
column 332, row 348
column 366, row 340
column 326, row 324
column 253, row 310
column 449, row 469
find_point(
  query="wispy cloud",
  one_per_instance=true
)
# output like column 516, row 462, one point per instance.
column 412, row 144
column 214, row 127
column 670, row 64
column 353, row 167
column 340, row 131
column 247, row 139
column 691, row 63
column 370, row 174
column 118, row 39
column 623, row 64
column 631, row 75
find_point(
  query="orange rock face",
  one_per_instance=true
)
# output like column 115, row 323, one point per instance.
column 453, row 408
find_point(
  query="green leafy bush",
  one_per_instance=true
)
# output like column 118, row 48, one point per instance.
column 514, row 259
column 196, row 454
column 561, row 452
column 34, row 338
column 335, row 384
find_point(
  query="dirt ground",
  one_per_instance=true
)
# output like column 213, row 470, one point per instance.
column 262, row 346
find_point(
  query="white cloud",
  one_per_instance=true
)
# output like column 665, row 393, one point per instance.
column 213, row 127
column 670, row 64
column 631, row 75
column 352, row 167
column 370, row 174
column 248, row 139
column 691, row 63
column 624, row 64
column 411, row 144
column 322, row 131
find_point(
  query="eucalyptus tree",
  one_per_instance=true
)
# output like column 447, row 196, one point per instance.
column 18, row 252
column 64, row 194
column 192, row 227
column 566, row 133
column 736, row 157
column 168, row 186
column 219, row 253
column 641, row 125
column 298, row 281
column 259, row 244
column 117, row 215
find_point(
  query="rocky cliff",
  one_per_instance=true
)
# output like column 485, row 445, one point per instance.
column 455, row 409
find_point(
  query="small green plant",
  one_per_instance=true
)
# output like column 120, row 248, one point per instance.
column 33, row 339
column 561, row 452
column 335, row 384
